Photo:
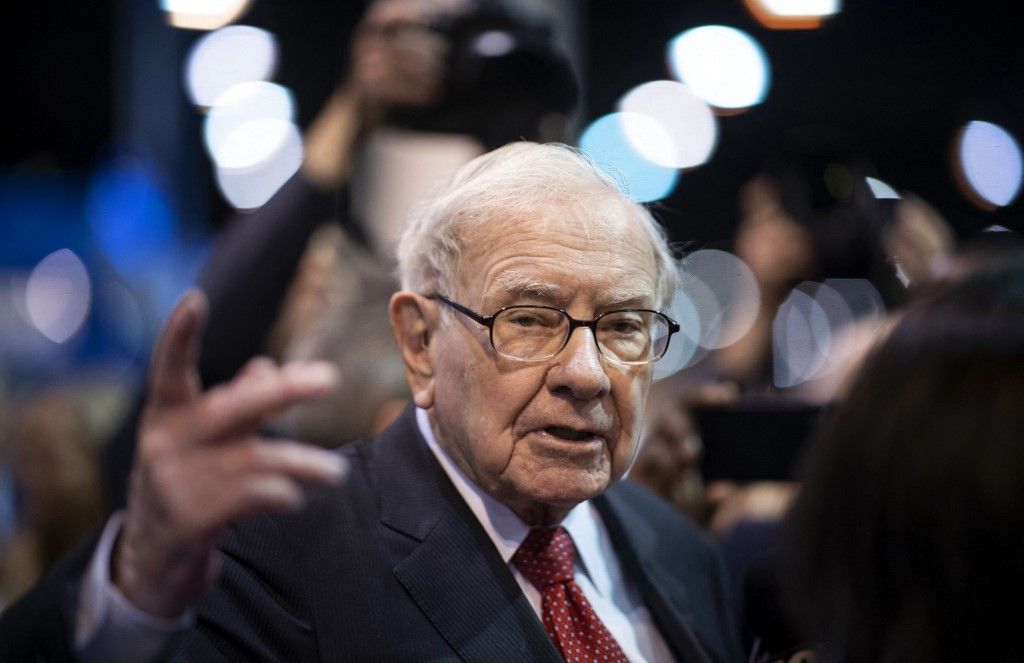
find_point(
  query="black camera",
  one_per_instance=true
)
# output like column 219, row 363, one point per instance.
column 505, row 78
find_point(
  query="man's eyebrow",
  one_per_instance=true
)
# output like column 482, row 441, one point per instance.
column 631, row 300
column 515, row 284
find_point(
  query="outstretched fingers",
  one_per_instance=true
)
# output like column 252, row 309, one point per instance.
column 244, row 477
column 273, row 481
column 260, row 393
column 174, row 376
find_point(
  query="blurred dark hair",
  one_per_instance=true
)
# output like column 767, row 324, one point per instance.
column 820, row 175
column 987, row 249
column 990, row 247
column 513, row 87
column 905, row 543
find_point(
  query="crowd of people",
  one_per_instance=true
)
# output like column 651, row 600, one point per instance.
column 442, row 439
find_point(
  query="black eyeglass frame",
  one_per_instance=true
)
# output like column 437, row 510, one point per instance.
column 574, row 324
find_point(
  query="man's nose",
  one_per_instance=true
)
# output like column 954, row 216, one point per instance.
column 579, row 367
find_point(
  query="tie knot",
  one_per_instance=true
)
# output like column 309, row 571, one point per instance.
column 546, row 556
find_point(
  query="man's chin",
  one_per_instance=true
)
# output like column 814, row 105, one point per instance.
column 564, row 490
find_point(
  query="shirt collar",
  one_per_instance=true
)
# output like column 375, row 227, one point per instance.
column 503, row 526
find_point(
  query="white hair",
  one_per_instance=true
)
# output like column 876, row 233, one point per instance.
column 516, row 182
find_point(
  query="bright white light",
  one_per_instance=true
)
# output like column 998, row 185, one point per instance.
column 668, row 124
column 227, row 57
column 58, row 294
column 254, row 143
column 990, row 162
column 494, row 43
column 881, row 190
column 203, row 14
column 263, row 155
column 651, row 139
column 237, row 107
column 722, row 65
column 801, row 7
column 605, row 142
column 724, row 293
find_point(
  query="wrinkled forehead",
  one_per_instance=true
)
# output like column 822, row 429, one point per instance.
column 591, row 234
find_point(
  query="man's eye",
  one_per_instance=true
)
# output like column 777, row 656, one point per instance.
column 524, row 320
column 624, row 326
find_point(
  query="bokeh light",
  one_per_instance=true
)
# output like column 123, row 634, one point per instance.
column 261, row 155
column 237, row 107
column 988, row 164
column 58, row 295
column 604, row 141
column 203, row 14
column 494, row 43
column 669, row 125
column 723, row 66
column 881, row 190
column 227, row 57
column 724, row 293
column 800, row 339
column 860, row 296
column 129, row 216
column 684, row 348
column 792, row 14
column 811, row 325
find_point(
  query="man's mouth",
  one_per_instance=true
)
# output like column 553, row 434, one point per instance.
column 570, row 434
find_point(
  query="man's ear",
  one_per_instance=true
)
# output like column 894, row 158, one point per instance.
column 414, row 328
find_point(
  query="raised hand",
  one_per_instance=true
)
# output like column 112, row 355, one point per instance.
column 395, row 60
column 201, row 464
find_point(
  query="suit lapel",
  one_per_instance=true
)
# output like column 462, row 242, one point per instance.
column 663, row 592
column 454, row 573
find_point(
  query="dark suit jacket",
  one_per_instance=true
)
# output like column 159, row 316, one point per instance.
column 393, row 566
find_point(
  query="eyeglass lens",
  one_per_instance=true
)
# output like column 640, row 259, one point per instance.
column 528, row 332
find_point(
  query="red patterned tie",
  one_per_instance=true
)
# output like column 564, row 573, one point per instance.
column 546, row 559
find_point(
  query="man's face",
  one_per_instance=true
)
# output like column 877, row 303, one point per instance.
column 543, row 436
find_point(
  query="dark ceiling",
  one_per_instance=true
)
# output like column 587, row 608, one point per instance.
column 899, row 76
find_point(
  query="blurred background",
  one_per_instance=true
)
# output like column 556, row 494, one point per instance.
column 134, row 130
column 137, row 132
column 105, row 181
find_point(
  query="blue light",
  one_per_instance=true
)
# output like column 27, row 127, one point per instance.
column 605, row 142
column 129, row 217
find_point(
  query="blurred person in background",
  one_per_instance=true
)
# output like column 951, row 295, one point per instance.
column 905, row 539
column 304, row 277
column 807, row 216
column 51, row 460
column 752, row 540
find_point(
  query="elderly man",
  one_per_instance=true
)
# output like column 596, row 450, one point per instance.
column 489, row 523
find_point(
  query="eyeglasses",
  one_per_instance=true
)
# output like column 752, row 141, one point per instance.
column 536, row 333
